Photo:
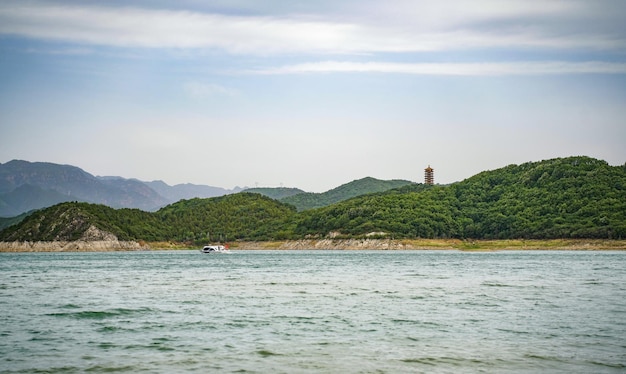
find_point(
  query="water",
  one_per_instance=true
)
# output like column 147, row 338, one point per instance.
column 313, row 312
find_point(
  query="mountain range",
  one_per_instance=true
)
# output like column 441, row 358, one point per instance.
column 574, row 197
column 27, row 186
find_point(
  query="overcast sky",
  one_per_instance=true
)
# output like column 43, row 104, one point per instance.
column 310, row 94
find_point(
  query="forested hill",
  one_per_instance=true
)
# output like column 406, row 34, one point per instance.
column 275, row 192
column 230, row 217
column 575, row 197
column 364, row 186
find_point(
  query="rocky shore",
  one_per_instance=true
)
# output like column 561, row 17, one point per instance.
column 72, row 246
column 343, row 244
column 92, row 240
column 431, row 244
column 100, row 244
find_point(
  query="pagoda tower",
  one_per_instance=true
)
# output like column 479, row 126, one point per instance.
column 429, row 177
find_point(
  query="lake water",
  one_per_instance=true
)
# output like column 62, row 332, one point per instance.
column 313, row 312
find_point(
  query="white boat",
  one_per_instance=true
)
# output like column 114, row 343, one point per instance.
column 215, row 249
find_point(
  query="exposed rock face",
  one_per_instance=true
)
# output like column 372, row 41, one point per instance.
column 343, row 244
column 95, row 234
column 93, row 240
column 74, row 246
column 337, row 244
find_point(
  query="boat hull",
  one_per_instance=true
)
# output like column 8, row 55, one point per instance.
column 214, row 249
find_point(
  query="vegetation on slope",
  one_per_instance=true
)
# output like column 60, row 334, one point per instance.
column 368, row 185
column 70, row 221
column 10, row 221
column 239, row 216
column 276, row 193
column 231, row 217
column 575, row 197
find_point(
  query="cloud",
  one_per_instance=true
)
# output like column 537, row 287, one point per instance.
column 459, row 69
column 134, row 27
column 423, row 26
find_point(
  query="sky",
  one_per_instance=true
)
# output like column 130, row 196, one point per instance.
column 310, row 94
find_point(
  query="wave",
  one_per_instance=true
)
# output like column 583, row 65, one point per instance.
column 100, row 314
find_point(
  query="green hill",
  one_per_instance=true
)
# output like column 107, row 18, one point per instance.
column 70, row 221
column 575, row 197
column 276, row 193
column 6, row 222
column 310, row 200
column 230, row 217
column 239, row 216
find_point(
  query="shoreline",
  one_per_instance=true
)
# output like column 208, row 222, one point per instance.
column 434, row 244
column 328, row 244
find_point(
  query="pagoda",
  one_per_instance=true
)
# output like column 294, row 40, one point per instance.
column 429, row 177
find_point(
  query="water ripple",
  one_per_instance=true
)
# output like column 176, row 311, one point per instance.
column 313, row 312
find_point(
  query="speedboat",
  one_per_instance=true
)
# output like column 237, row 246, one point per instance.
column 215, row 249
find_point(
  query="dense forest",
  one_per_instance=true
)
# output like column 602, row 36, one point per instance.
column 276, row 193
column 243, row 215
column 311, row 200
column 575, row 197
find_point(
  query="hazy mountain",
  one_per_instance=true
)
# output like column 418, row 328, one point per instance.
column 65, row 179
column 135, row 191
column 26, row 186
column 188, row 190
column 28, row 197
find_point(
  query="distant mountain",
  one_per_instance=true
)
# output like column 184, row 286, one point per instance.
column 26, row 186
column 28, row 197
column 364, row 186
column 188, row 190
column 65, row 179
column 33, row 185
